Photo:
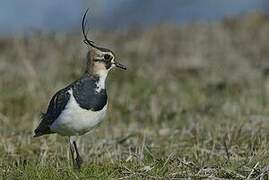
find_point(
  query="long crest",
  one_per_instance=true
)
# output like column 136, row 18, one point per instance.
column 83, row 26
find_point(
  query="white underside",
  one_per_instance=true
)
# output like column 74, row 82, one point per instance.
column 76, row 121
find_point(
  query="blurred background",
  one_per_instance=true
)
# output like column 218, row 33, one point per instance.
column 193, row 103
column 64, row 15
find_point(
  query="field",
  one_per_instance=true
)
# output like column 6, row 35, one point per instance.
column 194, row 103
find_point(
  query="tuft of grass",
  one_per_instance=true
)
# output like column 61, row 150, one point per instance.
column 193, row 104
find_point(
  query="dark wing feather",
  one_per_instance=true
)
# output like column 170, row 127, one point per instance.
column 56, row 106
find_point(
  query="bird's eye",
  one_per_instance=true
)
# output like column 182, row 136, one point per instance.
column 107, row 57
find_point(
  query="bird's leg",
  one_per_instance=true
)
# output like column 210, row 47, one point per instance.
column 72, row 151
column 79, row 160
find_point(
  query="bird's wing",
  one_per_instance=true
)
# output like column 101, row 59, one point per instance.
column 56, row 106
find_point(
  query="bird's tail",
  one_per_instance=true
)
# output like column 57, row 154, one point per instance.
column 37, row 134
column 43, row 128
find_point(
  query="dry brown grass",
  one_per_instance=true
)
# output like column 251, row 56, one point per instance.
column 194, row 103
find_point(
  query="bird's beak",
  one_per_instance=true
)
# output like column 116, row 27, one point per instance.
column 119, row 65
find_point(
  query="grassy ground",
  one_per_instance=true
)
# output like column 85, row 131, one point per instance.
column 194, row 103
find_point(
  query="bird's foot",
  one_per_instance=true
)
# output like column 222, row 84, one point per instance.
column 79, row 162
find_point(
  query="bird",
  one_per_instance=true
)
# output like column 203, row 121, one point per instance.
column 81, row 106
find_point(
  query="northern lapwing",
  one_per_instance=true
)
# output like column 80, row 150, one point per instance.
column 81, row 106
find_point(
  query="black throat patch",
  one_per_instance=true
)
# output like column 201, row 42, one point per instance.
column 108, row 64
column 86, row 94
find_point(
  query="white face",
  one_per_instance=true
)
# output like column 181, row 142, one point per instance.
column 105, row 59
column 109, row 60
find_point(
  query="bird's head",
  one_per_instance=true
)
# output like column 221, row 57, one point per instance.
column 99, row 60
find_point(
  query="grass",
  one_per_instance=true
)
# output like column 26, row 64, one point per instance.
column 194, row 103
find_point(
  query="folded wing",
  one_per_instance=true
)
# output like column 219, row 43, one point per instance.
column 56, row 106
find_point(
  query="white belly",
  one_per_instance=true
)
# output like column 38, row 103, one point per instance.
column 77, row 121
